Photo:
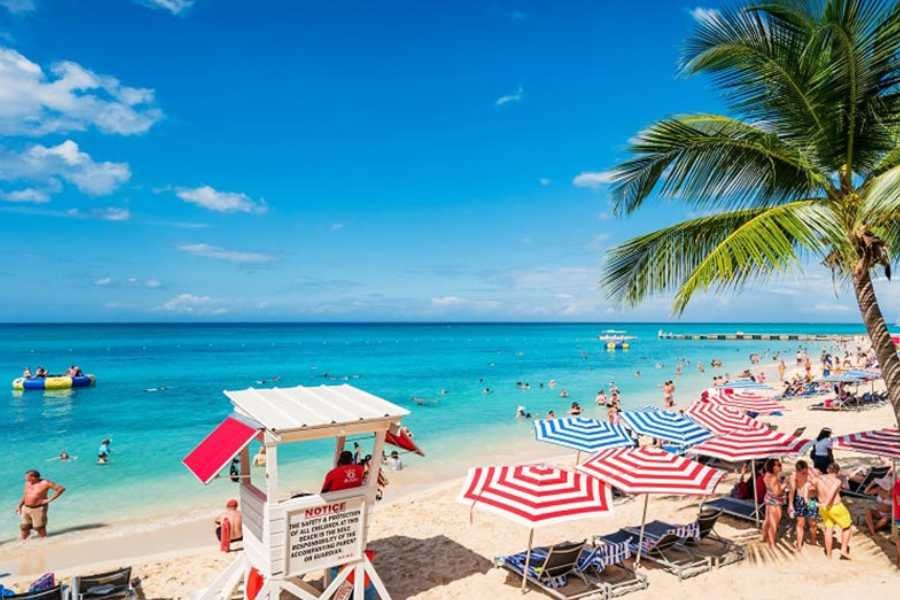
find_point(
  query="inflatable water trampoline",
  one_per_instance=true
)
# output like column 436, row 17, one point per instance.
column 53, row 382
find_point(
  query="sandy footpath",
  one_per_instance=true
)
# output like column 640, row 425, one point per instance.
column 428, row 548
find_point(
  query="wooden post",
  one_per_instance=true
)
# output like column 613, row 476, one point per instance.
column 340, row 443
column 375, row 467
column 271, row 470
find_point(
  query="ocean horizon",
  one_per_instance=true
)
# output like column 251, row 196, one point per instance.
column 159, row 391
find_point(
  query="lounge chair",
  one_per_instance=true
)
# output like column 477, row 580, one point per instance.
column 665, row 551
column 571, row 571
column 739, row 509
column 113, row 585
column 603, row 565
column 54, row 593
column 706, row 542
column 549, row 568
column 857, row 489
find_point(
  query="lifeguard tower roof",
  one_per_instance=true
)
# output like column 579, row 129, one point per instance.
column 291, row 414
column 284, row 410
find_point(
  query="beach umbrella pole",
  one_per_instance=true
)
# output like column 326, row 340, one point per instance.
column 637, row 561
column 755, row 497
column 577, row 457
column 527, row 559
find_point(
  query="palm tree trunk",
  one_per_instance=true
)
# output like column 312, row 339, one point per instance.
column 879, row 335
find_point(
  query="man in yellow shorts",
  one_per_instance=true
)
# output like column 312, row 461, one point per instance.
column 832, row 511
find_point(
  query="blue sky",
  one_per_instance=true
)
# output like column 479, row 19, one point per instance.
column 218, row 159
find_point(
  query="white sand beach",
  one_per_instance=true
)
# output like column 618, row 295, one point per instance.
column 429, row 546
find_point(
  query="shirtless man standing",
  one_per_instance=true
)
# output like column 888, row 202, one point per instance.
column 832, row 511
column 32, row 508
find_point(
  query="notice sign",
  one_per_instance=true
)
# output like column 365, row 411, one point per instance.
column 325, row 536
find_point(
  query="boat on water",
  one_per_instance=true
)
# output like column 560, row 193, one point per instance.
column 616, row 340
column 53, row 382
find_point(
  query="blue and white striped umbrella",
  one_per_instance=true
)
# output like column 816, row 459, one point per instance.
column 580, row 433
column 665, row 425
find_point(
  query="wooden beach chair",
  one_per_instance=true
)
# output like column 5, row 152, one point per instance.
column 112, row 585
column 665, row 551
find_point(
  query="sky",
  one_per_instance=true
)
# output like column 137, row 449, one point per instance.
column 341, row 161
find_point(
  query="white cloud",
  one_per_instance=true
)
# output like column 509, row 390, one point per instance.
column 152, row 283
column 173, row 6
column 597, row 243
column 337, row 226
column 103, row 281
column 702, row 14
column 830, row 307
column 516, row 96
column 33, row 195
column 224, row 202
column 227, row 255
column 65, row 161
column 18, row 6
column 450, row 302
column 447, row 301
column 592, row 180
column 74, row 100
column 544, row 181
column 189, row 304
column 112, row 213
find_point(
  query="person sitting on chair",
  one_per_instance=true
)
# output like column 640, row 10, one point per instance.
column 345, row 475
column 229, row 526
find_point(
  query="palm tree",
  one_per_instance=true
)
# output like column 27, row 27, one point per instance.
column 807, row 166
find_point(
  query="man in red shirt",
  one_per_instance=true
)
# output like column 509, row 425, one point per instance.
column 345, row 475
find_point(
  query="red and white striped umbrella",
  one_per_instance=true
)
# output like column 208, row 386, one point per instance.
column 881, row 442
column 650, row 470
column 719, row 418
column 537, row 494
column 742, row 401
column 750, row 444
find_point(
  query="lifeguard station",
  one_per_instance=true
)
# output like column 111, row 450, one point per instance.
column 288, row 537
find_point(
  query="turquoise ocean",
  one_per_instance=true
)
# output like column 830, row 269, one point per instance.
column 159, row 391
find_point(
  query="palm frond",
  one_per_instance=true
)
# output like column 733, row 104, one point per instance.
column 713, row 160
column 767, row 62
column 723, row 251
column 882, row 199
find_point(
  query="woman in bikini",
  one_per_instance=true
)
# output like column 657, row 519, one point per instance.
column 802, row 504
column 773, row 500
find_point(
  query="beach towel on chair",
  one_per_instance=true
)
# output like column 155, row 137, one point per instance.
column 691, row 530
column 538, row 555
column 604, row 556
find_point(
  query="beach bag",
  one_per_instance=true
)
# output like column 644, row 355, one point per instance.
column 43, row 583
